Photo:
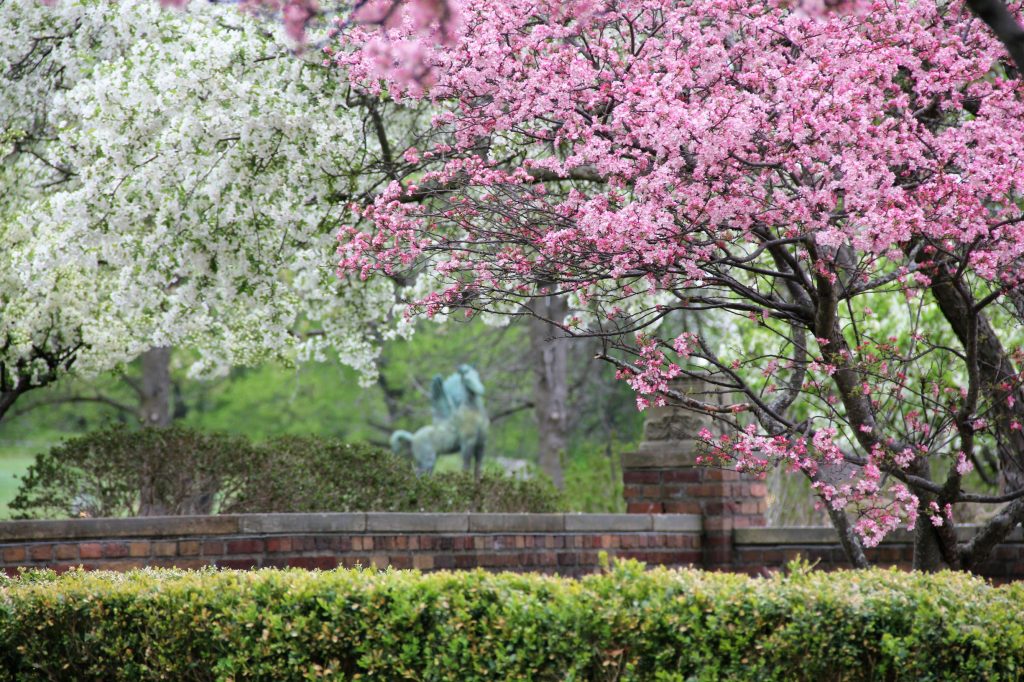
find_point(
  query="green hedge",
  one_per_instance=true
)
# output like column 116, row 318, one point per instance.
column 626, row 624
column 124, row 472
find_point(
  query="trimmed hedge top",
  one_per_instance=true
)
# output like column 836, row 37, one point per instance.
column 625, row 624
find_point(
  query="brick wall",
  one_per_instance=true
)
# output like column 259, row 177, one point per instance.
column 567, row 544
column 758, row 550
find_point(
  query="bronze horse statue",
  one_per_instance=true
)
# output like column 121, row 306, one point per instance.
column 460, row 423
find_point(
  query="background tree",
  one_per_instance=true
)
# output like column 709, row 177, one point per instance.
column 163, row 195
column 799, row 176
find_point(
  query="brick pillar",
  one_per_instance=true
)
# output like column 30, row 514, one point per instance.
column 662, row 477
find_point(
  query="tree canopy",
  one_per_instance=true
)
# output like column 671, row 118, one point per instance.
column 839, row 189
column 174, row 178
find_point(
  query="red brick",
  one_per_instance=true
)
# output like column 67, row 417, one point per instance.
column 716, row 508
column 644, row 508
column 166, row 548
column 706, row 490
column 632, row 477
column 758, row 489
column 279, row 545
column 631, row 492
column 245, row 547
column 401, row 561
column 188, row 547
column 687, row 475
column 681, row 507
column 213, row 548
column 676, row 490
column 192, row 564
column 90, row 550
column 424, row 562
column 465, row 561
column 123, row 565
column 736, row 490
column 240, row 564
column 41, row 552
column 65, row 552
column 14, row 554
column 115, row 550
column 138, row 549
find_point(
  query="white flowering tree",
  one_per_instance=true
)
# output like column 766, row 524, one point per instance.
column 173, row 178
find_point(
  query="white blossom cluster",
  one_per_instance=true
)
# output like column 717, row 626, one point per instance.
column 173, row 178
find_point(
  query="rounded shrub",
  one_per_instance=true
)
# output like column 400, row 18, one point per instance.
column 122, row 472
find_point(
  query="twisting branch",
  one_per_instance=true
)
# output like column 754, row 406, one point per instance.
column 997, row 15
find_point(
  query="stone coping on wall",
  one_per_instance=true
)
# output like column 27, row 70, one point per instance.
column 359, row 522
column 823, row 535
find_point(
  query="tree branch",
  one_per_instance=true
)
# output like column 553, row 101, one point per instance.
column 997, row 15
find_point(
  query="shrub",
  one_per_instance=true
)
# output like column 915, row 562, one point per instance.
column 494, row 492
column 122, row 472
column 309, row 474
column 626, row 624
column 119, row 472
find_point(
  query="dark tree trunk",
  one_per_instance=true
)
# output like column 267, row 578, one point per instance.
column 155, row 412
column 551, row 384
column 929, row 554
column 155, row 396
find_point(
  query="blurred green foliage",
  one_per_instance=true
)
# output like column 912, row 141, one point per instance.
column 326, row 400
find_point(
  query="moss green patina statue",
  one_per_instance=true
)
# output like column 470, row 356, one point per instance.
column 460, row 423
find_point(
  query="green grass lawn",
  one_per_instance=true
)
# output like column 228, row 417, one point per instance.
column 14, row 462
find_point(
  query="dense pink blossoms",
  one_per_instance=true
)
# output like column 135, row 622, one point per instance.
column 755, row 158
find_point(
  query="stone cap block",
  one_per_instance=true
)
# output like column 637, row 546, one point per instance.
column 516, row 523
column 303, row 523
column 668, row 423
column 677, row 523
column 143, row 526
column 610, row 523
column 408, row 522
column 796, row 535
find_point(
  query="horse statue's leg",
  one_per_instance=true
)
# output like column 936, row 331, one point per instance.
column 466, row 447
column 478, row 455
column 424, row 454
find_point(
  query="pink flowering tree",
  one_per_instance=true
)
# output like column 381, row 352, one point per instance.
column 819, row 213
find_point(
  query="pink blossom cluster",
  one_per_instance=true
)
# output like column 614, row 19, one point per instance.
column 739, row 115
